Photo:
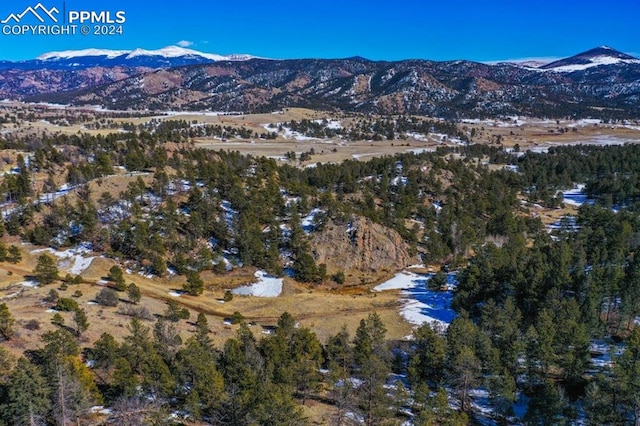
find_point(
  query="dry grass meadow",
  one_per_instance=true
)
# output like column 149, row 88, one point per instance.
column 323, row 310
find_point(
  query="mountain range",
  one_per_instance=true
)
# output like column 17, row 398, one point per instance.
column 600, row 82
column 170, row 56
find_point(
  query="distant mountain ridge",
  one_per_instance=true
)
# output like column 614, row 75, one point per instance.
column 601, row 82
column 167, row 57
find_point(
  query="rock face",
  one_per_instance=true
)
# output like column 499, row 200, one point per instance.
column 361, row 246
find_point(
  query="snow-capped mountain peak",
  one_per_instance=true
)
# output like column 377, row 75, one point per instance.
column 167, row 56
column 603, row 55
column 175, row 52
column 68, row 54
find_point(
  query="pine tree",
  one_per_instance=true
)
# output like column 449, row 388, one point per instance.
column 305, row 268
column 546, row 336
column 627, row 370
column 27, row 395
column 202, row 330
column 105, row 351
column 14, row 255
column 134, row 294
column 370, row 356
column 276, row 407
column 46, row 270
column 6, row 364
column 125, row 381
column 546, row 406
column 502, row 393
column 339, row 352
column 199, row 374
column 174, row 312
column 194, row 285
column 117, row 277
column 339, row 360
column 241, row 383
column 463, row 365
column 465, row 373
column 137, row 345
column 3, row 252
column 307, row 358
column 601, row 401
column 6, row 322
column 81, row 321
column 573, row 341
column 156, row 377
column 427, row 363
column 57, row 320
column 166, row 339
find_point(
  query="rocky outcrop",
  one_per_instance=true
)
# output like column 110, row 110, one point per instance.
column 361, row 246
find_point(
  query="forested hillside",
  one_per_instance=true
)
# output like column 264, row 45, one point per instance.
column 537, row 305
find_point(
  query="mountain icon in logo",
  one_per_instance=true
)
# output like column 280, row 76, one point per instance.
column 34, row 11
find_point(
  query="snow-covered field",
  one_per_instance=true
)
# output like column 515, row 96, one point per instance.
column 267, row 286
column 600, row 140
column 421, row 304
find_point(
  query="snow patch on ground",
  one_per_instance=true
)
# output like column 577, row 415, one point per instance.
column 418, row 266
column 308, row 222
column 576, row 196
column 401, row 281
column 416, row 136
column 145, row 275
column 74, row 260
column 420, row 150
column 30, row 284
column 330, row 124
column 99, row 409
column 602, row 351
column 175, row 293
column 369, row 154
column 421, row 304
column 399, row 181
column 229, row 213
column 287, row 133
column 267, row 286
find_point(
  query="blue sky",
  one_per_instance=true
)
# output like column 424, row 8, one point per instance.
column 382, row 30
